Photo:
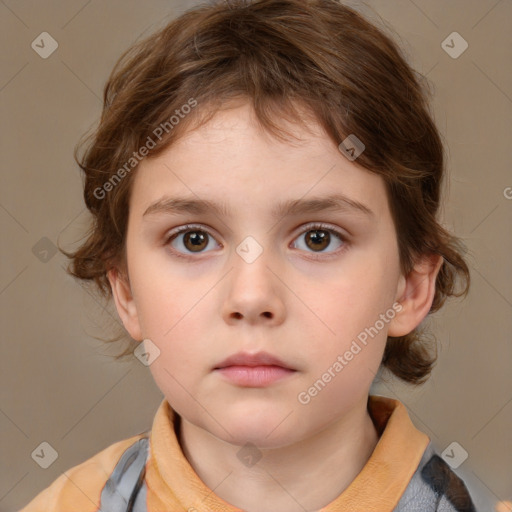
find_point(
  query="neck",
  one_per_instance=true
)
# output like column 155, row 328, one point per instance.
column 306, row 475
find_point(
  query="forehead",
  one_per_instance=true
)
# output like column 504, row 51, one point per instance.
column 233, row 158
column 236, row 124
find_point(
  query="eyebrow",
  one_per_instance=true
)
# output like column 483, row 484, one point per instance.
column 191, row 205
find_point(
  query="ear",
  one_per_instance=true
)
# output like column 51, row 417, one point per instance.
column 415, row 293
column 125, row 304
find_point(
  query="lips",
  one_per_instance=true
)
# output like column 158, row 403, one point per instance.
column 253, row 370
column 246, row 359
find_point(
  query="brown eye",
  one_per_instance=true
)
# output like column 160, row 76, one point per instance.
column 195, row 241
column 189, row 239
column 318, row 238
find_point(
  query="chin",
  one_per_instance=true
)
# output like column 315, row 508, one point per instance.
column 262, row 429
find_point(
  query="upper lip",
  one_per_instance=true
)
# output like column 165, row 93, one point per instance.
column 247, row 359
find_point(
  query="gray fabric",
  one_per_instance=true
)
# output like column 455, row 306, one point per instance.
column 125, row 490
column 434, row 487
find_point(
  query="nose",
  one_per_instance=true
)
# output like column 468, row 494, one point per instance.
column 254, row 291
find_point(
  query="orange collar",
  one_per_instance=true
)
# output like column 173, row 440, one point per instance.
column 172, row 483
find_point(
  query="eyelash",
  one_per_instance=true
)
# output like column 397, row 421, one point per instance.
column 315, row 226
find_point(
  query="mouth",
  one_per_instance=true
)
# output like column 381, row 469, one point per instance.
column 253, row 370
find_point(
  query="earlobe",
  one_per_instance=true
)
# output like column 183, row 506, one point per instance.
column 416, row 294
column 124, row 302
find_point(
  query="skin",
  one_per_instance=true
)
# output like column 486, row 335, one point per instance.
column 301, row 303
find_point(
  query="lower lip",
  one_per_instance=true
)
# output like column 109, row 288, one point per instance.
column 254, row 376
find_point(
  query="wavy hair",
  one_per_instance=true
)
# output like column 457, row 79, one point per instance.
column 278, row 55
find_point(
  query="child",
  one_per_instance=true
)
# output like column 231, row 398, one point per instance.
column 264, row 185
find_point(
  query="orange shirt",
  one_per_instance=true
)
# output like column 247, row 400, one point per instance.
column 171, row 484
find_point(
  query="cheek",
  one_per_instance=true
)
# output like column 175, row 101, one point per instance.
column 348, row 309
column 182, row 361
column 354, row 299
column 169, row 314
column 162, row 297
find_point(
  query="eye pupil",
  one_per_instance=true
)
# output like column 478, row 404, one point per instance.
column 319, row 239
column 196, row 238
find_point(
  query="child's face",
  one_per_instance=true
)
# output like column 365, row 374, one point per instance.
column 304, row 299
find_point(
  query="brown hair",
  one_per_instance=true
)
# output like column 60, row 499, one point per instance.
column 279, row 54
